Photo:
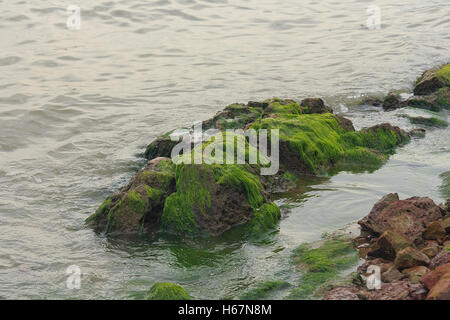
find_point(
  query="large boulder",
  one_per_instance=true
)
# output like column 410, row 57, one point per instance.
column 406, row 217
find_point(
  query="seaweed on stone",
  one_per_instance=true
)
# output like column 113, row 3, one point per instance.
column 167, row 291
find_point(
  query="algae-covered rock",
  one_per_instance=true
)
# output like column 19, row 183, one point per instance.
column 211, row 199
column 138, row 206
column 432, row 80
column 314, row 143
column 167, row 291
column 321, row 263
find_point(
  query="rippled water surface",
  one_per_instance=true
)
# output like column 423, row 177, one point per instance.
column 77, row 108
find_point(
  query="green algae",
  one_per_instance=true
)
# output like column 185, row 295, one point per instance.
column 129, row 210
column 445, row 186
column 322, row 264
column 319, row 142
column 444, row 74
column 265, row 218
column 167, row 291
column 264, row 290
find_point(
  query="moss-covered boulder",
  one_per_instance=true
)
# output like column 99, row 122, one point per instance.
column 138, row 206
column 432, row 80
column 209, row 197
column 167, row 291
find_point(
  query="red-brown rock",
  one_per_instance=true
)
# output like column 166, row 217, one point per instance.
column 441, row 290
column 407, row 217
column 431, row 278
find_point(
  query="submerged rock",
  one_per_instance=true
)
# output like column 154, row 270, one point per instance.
column 167, row 291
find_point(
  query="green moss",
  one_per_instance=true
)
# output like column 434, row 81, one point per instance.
column 320, row 143
column 278, row 106
column 237, row 177
column 447, row 248
column 193, row 195
column 445, row 186
column 289, row 176
column 130, row 210
column 167, row 291
column 264, row 290
column 322, row 264
column 444, row 74
column 266, row 218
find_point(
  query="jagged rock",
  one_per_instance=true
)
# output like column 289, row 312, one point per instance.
column 432, row 80
column 349, row 292
column 406, row 217
column 389, row 244
column 441, row 258
column 314, row 105
column 434, row 231
column 431, row 278
column 416, row 273
column 410, row 257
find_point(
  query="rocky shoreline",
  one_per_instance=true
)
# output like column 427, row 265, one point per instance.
column 409, row 242
column 209, row 199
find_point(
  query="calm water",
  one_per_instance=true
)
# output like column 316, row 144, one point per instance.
column 77, row 108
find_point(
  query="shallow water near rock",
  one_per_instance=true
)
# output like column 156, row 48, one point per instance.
column 78, row 107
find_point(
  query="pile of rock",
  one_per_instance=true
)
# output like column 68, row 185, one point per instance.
column 409, row 241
